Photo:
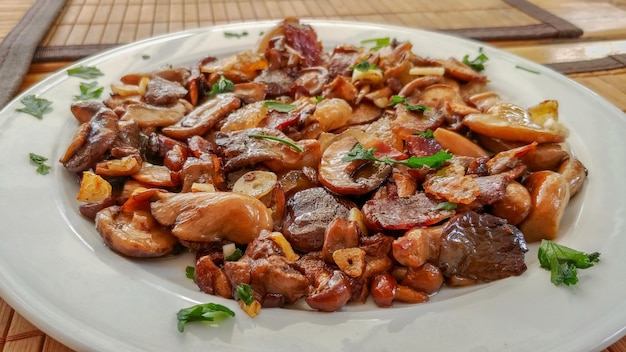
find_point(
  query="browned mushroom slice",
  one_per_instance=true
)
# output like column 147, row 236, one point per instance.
column 204, row 117
column 174, row 74
column 355, row 177
column 511, row 122
column 84, row 110
column 250, row 92
column 134, row 234
column 208, row 217
column 457, row 69
column 160, row 91
column 91, row 141
column 251, row 146
column 146, row 115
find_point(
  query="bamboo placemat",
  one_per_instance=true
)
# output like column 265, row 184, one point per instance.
column 88, row 26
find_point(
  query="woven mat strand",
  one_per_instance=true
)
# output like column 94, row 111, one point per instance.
column 89, row 26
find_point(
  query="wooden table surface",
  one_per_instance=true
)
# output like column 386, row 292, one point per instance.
column 604, row 35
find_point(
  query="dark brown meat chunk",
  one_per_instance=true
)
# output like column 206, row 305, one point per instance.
column 481, row 247
column 277, row 81
column 303, row 38
column 396, row 213
column 275, row 275
column 308, row 214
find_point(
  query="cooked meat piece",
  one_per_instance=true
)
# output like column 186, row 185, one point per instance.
column 341, row 59
column 395, row 213
column 481, row 247
column 197, row 170
column 422, row 146
column 160, row 91
column 277, row 81
column 492, row 188
column 303, row 38
column 263, row 247
column 211, row 279
column 276, row 275
column 308, row 214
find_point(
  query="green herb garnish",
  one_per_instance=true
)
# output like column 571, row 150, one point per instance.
column 527, row 69
column 378, row 42
column 478, row 64
column 85, row 72
column 263, row 136
column 396, row 99
column 244, row 292
column 145, row 57
column 35, row 106
column 427, row 134
column 89, row 91
column 563, row 261
column 190, row 272
column 238, row 253
column 203, row 312
column 40, row 161
column 278, row 106
column 222, row 85
column 363, row 66
column 235, row 35
column 319, row 98
column 446, row 206
column 434, row 161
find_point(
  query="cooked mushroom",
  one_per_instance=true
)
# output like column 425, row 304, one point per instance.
column 84, row 110
column 146, row 115
column 208, row 217
column 355, row 177
column 135, row 234
column 203, row 117
column 549, row 193
column 574, row 173
column 511, row 122
column 91, row 141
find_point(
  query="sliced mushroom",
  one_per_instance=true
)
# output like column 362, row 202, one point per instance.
column 163, row 92
column 146, row 115
column 511, row 122
column 355, row 177
column 203, row 117
column 574, row 173
column 515, row 205
column 134, row 234
column 550, row 193
column 84, row 110
column 209, row 217
column 91, row 141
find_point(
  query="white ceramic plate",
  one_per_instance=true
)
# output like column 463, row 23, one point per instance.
column 55, row 270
